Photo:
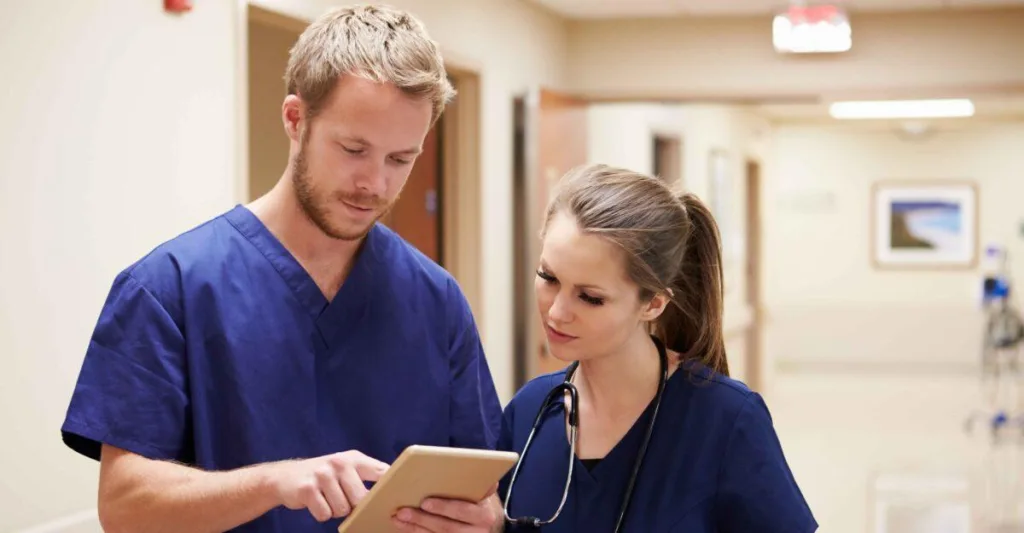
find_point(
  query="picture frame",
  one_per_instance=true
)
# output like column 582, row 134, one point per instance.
column 919, row 224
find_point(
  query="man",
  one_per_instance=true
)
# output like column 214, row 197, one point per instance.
column 252, row 373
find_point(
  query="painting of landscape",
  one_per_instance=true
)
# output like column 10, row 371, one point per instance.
column 928, row 225
column 925, row 225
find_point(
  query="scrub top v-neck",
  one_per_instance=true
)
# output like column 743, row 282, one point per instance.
column 714, row 464
column 219, row 350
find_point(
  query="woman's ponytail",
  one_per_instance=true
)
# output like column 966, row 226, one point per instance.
column 693, row 326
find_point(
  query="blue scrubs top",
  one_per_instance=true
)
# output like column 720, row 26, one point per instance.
column 218, row 350
column 714, row 464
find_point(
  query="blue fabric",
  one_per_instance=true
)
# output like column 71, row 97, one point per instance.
column 714, row 464
column 218, row 350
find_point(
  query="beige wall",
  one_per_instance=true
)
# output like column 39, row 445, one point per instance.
column 824, row 293
column 720, row 58
column 120, row 132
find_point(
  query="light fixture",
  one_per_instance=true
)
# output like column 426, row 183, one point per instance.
column 811, row 30
column 888, row 109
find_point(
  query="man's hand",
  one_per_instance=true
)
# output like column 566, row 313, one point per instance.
column 438, row 515
column 329, row 486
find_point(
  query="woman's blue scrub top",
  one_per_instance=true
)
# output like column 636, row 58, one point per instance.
column 714, row 464
column 218, row 350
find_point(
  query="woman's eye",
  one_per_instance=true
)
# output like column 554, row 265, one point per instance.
column 401, row 161
column 353, row 151
column 545, row 276
column 592, row 300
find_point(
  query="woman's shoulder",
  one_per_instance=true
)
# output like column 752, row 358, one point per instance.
column 716, row 393
column 530, row 396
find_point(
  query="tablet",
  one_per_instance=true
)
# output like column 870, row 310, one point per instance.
column 421, row 472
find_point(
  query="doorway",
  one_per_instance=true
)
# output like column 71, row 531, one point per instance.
column 667, row 157
column 755, row 332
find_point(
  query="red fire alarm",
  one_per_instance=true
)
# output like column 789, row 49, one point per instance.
column 177, row 6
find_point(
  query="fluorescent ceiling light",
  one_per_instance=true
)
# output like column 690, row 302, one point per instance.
column 881, row 109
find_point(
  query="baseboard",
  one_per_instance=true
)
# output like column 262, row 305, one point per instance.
column 87, row 521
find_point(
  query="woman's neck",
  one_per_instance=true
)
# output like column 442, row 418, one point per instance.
column 621, row 381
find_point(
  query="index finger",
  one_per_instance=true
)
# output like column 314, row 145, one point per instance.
column 370, row 469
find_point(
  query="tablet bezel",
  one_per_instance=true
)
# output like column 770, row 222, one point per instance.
column 422, row 472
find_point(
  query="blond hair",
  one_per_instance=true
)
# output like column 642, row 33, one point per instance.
column 377, row 42
column 671, row 244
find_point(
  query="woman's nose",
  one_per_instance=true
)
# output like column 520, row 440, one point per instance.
column 559, row 310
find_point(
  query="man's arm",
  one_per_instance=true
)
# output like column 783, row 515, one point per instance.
column 140, row 494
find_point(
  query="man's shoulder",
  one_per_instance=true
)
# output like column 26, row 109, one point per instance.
column 163, row 267
column 410, row 267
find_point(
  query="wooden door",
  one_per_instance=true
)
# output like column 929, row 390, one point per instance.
column 555, row 142
column 417, row 214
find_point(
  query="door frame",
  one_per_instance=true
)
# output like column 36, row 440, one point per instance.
column 461, row 178
column 754, row 334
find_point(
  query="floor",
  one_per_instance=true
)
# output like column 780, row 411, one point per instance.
column 858, row 440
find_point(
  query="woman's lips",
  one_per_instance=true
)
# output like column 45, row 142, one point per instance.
column 556, row 336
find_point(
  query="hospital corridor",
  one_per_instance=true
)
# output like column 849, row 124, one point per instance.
column 863, row 162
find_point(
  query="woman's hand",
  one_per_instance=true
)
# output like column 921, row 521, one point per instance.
column 439, row 515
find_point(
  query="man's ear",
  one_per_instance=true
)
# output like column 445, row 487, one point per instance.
column 655, row 307
column 293, row 112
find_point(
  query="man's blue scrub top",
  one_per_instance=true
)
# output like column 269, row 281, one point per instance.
column 218, row 350
column 714, row 464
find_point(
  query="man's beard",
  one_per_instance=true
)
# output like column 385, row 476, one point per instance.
column 315, row 207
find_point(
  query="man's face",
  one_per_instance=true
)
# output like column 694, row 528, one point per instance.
column 355, row 155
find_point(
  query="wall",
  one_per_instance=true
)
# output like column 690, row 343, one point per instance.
column 824, row 293
column 120, row 134
column 733, row 57
column 123, row 134
column 514, row 46
column 622, row 135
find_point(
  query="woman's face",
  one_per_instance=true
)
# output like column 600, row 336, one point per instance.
column 588, row 304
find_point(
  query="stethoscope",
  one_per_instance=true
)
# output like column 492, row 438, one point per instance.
column 558, row 394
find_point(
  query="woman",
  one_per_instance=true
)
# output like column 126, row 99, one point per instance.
column 629, row 289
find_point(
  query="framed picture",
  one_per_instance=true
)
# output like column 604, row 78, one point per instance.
column 925, row 224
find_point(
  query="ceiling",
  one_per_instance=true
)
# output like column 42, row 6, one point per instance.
column 587, row 9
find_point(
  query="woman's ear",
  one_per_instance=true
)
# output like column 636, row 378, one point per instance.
column 655, row 307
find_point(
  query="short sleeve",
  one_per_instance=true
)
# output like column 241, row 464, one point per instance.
column 475, row 409
column 131, row 390
column 757, row 491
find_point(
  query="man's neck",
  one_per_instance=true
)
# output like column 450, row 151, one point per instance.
column 610, row 383
column 327, row 260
